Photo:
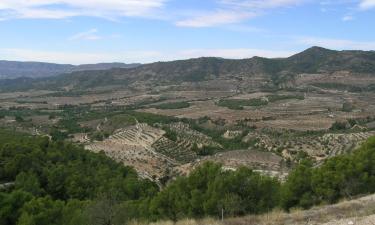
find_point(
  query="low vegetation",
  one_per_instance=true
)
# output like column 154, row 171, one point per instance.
column 239, row 104
column 217, row 135
column 275, row 98
column 346, row 87
column 173, row 105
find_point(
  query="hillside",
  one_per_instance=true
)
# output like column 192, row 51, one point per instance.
column 242, row 74
column 14, row 69
column 359, row 211
column 52, row 182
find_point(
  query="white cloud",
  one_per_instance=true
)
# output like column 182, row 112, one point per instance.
column 347, row 18
column 340, row 44
column 261, row 4
column 367, row 4
column 216, row 18
column 57, row 9
column 234, row 11
column 90, row 35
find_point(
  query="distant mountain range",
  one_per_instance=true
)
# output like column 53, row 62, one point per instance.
column 317, row 63
column 14, row 69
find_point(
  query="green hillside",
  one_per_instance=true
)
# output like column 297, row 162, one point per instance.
column 60, row 183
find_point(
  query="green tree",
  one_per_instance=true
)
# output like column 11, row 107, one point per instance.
column 297, row 190
column 10, row 206
column 42, row 211
column 29, row 182
column 74, row 213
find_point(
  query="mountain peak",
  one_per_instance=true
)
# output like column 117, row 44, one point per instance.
column 313, row 53
column 318, row 48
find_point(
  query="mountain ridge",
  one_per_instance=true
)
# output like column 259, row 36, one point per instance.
column 15, row 69
column 253, row 72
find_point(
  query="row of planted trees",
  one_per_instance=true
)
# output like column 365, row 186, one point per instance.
column 59, row 183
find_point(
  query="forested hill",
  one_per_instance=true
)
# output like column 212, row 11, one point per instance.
column 271, row 71
column 58, row 183
column 62, row 184
column 15, row 69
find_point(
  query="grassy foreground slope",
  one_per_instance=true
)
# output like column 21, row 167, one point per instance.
column 360, row 211
column 59, row 183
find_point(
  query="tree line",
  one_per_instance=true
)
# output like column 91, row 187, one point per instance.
column 61, row 183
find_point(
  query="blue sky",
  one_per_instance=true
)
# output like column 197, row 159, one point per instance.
column 91, row 31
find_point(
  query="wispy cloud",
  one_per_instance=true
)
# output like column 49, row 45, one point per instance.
column 57, row 9
column 340, row 44
column 90, row 35
column 347, row 18
column 367, row 4
column 234, row 11
column 216, row 18
column 261, row 4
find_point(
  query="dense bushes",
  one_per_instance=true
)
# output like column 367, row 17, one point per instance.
column 59, row 183
column 209, row 189
column 48, row 176
column 235, row 143
column 64, row 171
column 275, row 98
column 173, row 105
column 170, row 134
column 343, row 176
column 239, row 104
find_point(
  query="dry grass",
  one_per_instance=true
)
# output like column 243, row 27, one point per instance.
column 360, row 211
column 207, row 221
column 356, row 209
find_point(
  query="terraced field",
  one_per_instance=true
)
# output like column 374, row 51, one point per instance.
column 340, row 143
column 152, row 154
column 321, row 147
column 132, row 146
column 182, row 148
column 179, row 151
column 155, row 156
column 140, row 134
column 251, row 158
column 155, row 152
column 192, row 136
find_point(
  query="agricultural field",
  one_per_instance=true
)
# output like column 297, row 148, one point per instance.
column 265, row 162
column 156, row 110
column 132, row 146
column 167, row 131
column 318, row 146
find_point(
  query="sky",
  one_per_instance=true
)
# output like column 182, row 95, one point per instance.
column 144, row 31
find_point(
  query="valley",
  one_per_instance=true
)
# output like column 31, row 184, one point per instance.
column 170, row 112
column 165, row 119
